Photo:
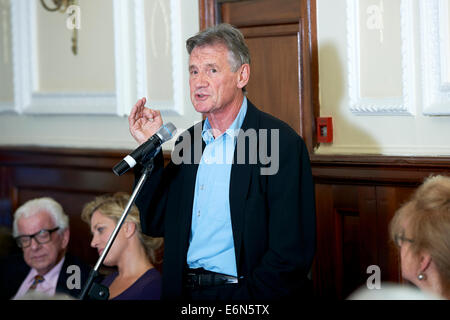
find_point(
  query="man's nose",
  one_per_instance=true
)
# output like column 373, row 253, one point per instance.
column 34, row 245
column 201, row 81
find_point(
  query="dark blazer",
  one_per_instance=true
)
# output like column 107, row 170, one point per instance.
column 272, row 216
column 13, row 270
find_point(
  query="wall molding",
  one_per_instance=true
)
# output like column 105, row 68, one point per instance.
column 386, row 150
column 5, row 30
column 123, row 58
column 435, row 41
column 174, row 106
column 404, row 105
column 129, row 57
column 371, row 169
column 27, row 98
column 77, row 142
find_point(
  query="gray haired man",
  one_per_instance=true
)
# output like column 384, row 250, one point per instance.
column 41, row 230
column 230, row 231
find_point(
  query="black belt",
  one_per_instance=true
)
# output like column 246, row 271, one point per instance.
column 195, row 278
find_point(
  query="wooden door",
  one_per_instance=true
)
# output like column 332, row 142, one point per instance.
column 281, row 38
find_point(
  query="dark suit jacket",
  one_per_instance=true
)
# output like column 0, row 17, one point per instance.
column 273, row 216
column 13, row 270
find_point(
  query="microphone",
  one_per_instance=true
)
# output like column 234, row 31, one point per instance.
column 165, row 133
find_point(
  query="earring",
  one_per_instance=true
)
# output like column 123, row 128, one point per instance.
column 421, row 276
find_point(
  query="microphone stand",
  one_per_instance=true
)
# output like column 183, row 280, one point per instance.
column 94, row 290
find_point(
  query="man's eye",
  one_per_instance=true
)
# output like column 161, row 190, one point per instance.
column 213, row 70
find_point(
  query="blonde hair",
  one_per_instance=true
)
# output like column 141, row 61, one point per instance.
column 427, row 214
column 112, row 206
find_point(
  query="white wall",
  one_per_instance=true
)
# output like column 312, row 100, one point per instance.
column 398, row 76
column 102, row 66
column 377, row 125
column 92, row 69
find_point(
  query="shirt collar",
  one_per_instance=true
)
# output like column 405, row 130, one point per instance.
column 51, row 275
column 232, row 130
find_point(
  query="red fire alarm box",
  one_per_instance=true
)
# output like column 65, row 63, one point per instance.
column 325, row 129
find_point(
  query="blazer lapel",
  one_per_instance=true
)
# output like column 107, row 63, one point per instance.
column 239, row 184
column 188, row 186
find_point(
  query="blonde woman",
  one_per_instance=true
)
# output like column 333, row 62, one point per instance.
column 132, row 252
column 421, row 230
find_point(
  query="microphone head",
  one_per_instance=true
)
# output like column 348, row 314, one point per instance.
column 120, row 168
column 166, row 132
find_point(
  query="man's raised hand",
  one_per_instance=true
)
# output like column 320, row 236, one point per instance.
column 143, row 122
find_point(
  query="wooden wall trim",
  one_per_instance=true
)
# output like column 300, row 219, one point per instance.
column 100, row 159
column 207, row 13
column 323, row 166
column 377, row 169
column 310, row 85
column 60, row 157
column 356, row 196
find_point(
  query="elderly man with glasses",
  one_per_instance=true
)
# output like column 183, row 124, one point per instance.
column 41, row 230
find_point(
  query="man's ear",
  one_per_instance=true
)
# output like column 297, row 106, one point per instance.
column 65, row 238
column 243, row 75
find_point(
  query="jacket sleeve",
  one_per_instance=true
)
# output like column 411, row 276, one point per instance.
column 153, row 196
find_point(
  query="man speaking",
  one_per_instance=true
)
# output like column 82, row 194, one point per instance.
column 232, row 230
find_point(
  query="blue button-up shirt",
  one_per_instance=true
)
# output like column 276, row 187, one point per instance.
column 211, row 244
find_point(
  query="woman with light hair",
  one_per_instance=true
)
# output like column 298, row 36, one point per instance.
column 421, row 230
column 133, row 253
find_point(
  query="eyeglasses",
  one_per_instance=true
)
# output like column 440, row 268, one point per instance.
column 400, row 238
column 41, row 237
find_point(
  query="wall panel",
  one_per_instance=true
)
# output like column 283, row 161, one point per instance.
column 356, row 198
